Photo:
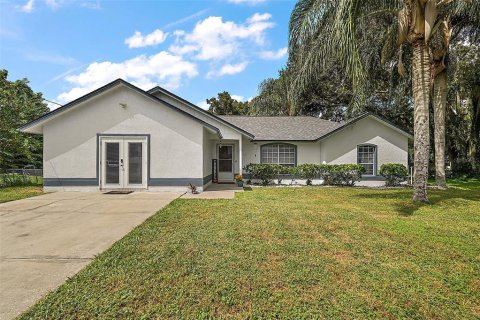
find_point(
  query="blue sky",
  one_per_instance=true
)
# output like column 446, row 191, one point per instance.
column 196, row 49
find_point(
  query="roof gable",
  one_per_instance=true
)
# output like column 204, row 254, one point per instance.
column 33, row 126
column 198, row 109
column 300, row 128
column 372, row 116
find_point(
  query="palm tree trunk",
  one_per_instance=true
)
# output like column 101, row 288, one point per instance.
column 474, row 140
column 421, row 143
column 439, row 107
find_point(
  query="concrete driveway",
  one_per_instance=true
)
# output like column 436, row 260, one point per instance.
column 45, row 239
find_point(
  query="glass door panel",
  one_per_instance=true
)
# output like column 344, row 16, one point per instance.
column 135, row 160
column 225, row 159
column 112, row 163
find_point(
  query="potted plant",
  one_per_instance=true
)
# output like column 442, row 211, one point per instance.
column 239, row 180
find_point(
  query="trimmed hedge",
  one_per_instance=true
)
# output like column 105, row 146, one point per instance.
column 394, row 173
column 332, row 174
column 341, row 174
column 264, row 172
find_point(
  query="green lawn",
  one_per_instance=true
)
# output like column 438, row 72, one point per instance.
column 291, row 253
column 16, row 193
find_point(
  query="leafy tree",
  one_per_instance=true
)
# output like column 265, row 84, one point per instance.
column 19, row 105
column 326, row 98
column 224, row 104
column 341, row 30
column 451, row 22
column 272, row 99
column 463, row 114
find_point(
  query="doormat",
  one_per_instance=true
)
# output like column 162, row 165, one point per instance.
column 119, row 192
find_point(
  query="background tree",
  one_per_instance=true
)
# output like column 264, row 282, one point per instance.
column 224, row 104
column 452, row 22
column 322, row 29
column 272, row 99
column 463, row 114
column 19, row 105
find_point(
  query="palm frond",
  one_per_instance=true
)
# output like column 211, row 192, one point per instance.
column 327, row 29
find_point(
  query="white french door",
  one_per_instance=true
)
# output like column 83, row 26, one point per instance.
column 225, row 163
column 123, row 162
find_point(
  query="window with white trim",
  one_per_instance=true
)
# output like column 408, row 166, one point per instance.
column 278, row 153
column 366, row 156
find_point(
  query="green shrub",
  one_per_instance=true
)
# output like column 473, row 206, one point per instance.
column 281, row 172
column 15, row 180
column 262, row 171
column 341, row 174
column 308, row 171
column 332, row 174
column 394, row 173
column 463, row 168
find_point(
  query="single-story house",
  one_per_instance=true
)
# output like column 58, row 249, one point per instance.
column 122, row 137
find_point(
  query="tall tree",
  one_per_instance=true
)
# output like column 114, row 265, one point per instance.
column 464, row 103
column 272, row 99
column 224, row 104
column 324, row 29
column 19, row 105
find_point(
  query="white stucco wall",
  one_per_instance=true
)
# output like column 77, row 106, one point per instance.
column 228, row 132
column 307, row 152
column 208, row 145
column 341, row 147
column 70, row 140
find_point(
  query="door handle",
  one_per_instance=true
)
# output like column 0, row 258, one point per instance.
column 121, row 163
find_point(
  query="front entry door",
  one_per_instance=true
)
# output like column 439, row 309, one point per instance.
column 124, row 163
column 225, row 163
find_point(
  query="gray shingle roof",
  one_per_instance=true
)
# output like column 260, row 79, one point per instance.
column 284, row 128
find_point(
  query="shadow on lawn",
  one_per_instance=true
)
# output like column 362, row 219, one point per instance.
column 405, row 206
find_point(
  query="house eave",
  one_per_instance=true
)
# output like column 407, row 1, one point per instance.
column 195, row 107
column 36, row 126
column 365, row 115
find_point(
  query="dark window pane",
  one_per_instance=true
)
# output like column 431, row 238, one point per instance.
column 366, row 157
column 112, row 162
column 134, row 163
column 225, row 152
column 278, row 154
column 225, row 165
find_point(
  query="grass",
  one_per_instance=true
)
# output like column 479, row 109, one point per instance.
column 289, row 253
column 17, row 193
column 19, row 187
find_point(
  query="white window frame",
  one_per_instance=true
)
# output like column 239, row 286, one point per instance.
column 373, row 163
column 277, row 153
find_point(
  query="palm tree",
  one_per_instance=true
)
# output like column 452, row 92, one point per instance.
column 453, row 19
column 322, row 29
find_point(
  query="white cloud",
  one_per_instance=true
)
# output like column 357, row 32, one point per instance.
column 138, row 40
column 143, row 71
column 237, row 97
column 246, row 1
column 203, row 104
column 27, row 7
column 215, row 39
column 52, row 105
column 274, row 55
column 259, row 17
column 228, row 69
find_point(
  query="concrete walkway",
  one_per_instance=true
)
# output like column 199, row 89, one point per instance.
column 216, row 191
column 45, row 239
